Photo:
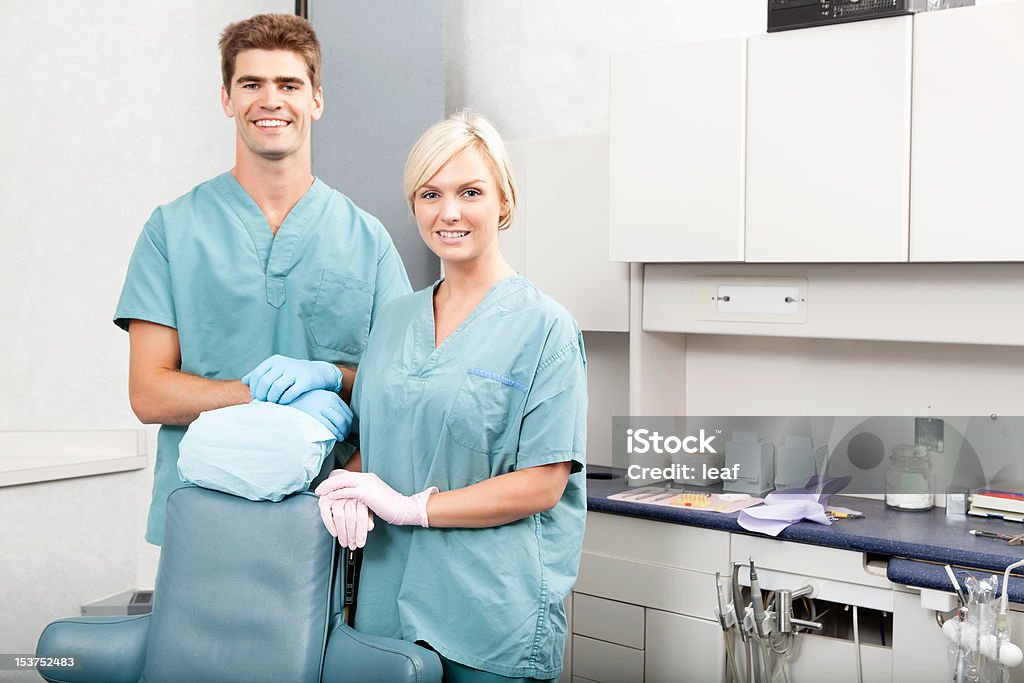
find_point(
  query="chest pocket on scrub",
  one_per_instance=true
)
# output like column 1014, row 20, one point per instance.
column 482, row 413
column 340, row 317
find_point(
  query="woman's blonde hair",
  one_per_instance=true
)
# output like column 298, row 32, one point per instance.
column 444, row 140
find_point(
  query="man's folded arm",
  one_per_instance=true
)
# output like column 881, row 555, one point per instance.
column 158, row 389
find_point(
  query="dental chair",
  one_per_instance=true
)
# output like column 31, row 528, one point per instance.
column 246, row 591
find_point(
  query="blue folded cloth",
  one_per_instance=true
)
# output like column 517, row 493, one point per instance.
column 259, row 451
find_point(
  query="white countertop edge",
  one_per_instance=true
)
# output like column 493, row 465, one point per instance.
column 50, row 471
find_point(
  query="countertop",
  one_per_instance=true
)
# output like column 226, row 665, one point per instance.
column 923, row 540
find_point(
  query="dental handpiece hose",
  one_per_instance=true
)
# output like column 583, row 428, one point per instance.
column 758, row 601
column 737, row 598
column 1002, row 621
column 725, row 618
column 1004, row 602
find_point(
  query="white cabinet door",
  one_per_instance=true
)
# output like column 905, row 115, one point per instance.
column 567, row 230
column 967, row 184
column 828, row 143
column 596, row 660
column 918, row 646
column 683, row 649
column 676, row 127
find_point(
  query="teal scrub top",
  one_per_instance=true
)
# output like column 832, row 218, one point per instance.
column 208, row 265
column 506, row 390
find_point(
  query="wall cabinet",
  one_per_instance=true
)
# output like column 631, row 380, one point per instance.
column 795, row 147
column 676, row 127
column 966, row 198
column 828, row 143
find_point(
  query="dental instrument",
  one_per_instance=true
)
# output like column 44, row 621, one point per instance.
column 767, row 625
column 657, row 498
column 958, row 659
column 737, row 600
column 658, row 493
column 761, row 634
column 1010, row 539
column 727, row 619
column 835, row 515
column 757, row 600
column 645, row 493
column 956, row 586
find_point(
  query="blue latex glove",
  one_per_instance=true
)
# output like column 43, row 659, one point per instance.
column 280, row 379
column 328, row 409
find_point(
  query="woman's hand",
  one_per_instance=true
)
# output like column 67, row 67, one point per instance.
column 384, row 501
column 347, row 520
column 491, row 502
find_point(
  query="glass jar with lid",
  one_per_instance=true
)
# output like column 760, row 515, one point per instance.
column 909, row 481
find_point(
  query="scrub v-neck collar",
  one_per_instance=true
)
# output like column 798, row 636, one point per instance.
column 275, row 252
column 425, row 333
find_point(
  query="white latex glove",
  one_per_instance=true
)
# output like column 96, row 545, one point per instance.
column 347, row 520
column 384, row 501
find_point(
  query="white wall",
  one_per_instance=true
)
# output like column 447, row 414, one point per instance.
column 537, row 67
column 113, row 107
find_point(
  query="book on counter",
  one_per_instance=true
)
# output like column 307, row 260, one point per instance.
column 1004, row 500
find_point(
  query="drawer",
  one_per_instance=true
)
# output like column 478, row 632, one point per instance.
column 596, row 660
column 683, row 649
column 650, row 585
column 615, row 622
column 836, row 575
column 671, row 545
column 807, row 560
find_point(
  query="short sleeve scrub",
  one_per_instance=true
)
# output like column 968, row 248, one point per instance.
column 506, row 390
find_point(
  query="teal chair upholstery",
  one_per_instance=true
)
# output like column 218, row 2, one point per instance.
column 245, row 592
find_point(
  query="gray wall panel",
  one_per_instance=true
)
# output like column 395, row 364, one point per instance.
column 383, row 85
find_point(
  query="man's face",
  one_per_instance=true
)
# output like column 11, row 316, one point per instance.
column 273, row 102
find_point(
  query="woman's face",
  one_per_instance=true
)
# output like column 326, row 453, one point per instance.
column 459, row 208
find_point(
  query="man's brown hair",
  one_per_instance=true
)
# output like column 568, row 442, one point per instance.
column 270, row 32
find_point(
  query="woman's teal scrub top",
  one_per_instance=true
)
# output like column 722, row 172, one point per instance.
column 208, row 265
column 506, row 390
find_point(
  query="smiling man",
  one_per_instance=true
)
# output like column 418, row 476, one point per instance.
column 263, row 260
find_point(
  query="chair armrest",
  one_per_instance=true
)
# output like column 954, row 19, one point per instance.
column 359, row 657
column 108, row 649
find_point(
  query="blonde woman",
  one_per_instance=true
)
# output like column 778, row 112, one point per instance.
column 471, row 403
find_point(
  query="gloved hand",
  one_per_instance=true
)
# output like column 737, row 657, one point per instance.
column 280, row 379
column 327, row 408
column 386, row 503
column 347, row 520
